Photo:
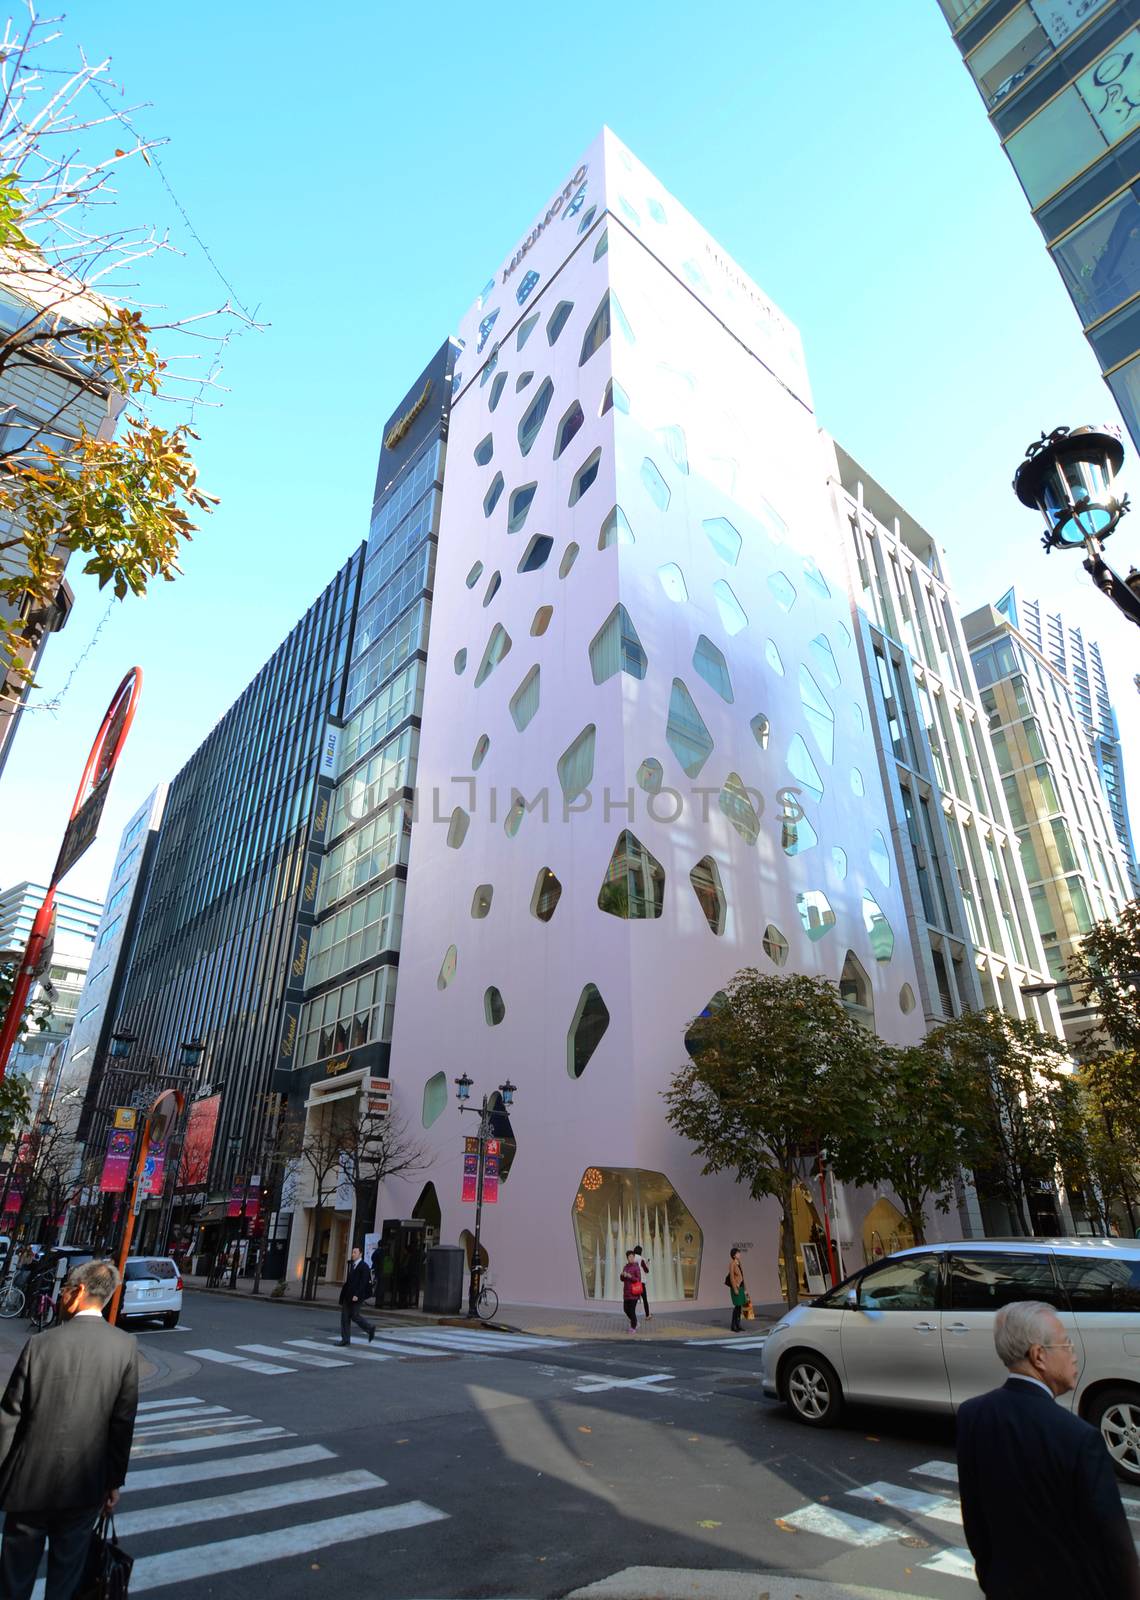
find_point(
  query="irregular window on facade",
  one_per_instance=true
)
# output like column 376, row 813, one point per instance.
column 616, row 648
column 732, row 617
column 447, row 968
column 625, row 206
column 705, row 879
column 796, row 835
column 709, row 662
column 775, row 945
column 772, row 657
column 481, row 901
column 588, row 1024
column 460, row 662
column 482, row 745
column 435, row 1098
column 839, row 861
column 498, row 646
column 576, row 764
column 818, row 714
column 656, row 210
column 512, row 822
column 526, row 328
column 880, row 858
column 656, row 487
column 484, row 450
column 761, row 728
column 673, row 439
column 496, row 393
column 491, row 498
column 493, row 585
column 724, row 538
column 634, row 884
column 816, row 914
column 781, row 587
column 559, row 317
column 685, row 731
column 857, row 786
column 906, row 999
column 547, row 893
column 522, row 381
column 585, row 476
column 457, row 828
column 541, row 621
column 855, row 992
column 878, row 929
column 614, row 1205
column 858, row 718
column 569, row 556
column 587, row 219
column 615, row 530
column 825, row 660
column 614, row 397
column 474, row 575
column 803, row 769
column 815, row 578
column 536, row 553
column 491, row 363
column 650, row 775
column 572, row 420
column 673, row 582
column 534, row 416
column 494, row 1007
column 524, row 701
column 734, row 802
column 598, row 331
column 520, row 504
column 602, row 245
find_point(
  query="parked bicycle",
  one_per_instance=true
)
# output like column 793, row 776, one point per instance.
column 44, row 1309
column 487, row 1301
column 12, row 1300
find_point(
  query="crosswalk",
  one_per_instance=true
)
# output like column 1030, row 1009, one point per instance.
column 754, row 1341
column 159, row 1501
column 325, row 1353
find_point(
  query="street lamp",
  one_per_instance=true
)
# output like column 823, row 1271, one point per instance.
column 506, row 1092
column 1069, row 475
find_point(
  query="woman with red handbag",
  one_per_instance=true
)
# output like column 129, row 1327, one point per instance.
column 631, row 1288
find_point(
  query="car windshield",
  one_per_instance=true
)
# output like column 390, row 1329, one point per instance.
column 139, row 1268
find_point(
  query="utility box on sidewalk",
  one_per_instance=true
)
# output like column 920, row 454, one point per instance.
column 443, row 1291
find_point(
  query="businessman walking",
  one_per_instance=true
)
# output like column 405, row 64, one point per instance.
column 66, row 1423
column 355, row 1289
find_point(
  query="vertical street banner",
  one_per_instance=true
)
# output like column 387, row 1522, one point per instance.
column 117, row 1162
column 155, row 1170
column 194, row 1167
column 491, row 1173
column 470, row 1179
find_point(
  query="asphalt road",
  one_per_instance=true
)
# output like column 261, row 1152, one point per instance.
column 432, row 1464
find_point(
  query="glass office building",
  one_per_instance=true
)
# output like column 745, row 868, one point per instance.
column 1060, row 80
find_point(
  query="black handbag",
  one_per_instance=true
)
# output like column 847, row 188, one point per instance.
column 107, row 1575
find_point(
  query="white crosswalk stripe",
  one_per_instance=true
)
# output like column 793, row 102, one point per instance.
column 291, row 1355
column 363, row 1353
column 226, row 1358
column 418, row 1343
column 754, row 1342
column 163, row 1520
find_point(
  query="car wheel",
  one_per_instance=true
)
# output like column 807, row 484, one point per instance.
column 1116, row 1412
column 170, row 1319
column 812, row 1390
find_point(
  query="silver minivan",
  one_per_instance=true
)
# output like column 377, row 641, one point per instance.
column 916, row 1330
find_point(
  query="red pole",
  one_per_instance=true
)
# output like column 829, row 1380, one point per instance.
column 827, row 1223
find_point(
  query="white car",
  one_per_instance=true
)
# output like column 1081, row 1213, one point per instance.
column 152, row 1287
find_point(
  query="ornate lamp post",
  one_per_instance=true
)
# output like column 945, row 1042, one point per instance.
column 506, row 1091
column 1069, row 476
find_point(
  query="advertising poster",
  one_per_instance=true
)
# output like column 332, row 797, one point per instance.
column 470, row 1179
column 491, row 1173
column 155, row 1170
column 194, row 1167
column 117, row 1162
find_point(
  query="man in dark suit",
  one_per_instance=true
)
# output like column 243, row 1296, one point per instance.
column 355, row 1289
column 66, row 1423
column 1040, row 1504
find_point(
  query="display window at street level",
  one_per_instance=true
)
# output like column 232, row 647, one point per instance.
column 617, row 1208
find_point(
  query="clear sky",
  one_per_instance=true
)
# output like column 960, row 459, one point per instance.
column 357, row 174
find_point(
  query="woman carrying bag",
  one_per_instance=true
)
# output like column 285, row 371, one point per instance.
column 631, row 1288
column 734, row 1282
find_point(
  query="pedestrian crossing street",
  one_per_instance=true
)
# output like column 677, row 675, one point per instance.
column 394, row 1344
column 197, row 1443
column 938, row 1505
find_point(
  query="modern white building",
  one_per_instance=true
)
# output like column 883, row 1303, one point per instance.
column 40, row 1051
column 647, row 758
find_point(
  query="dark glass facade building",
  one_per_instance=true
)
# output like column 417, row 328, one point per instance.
column 1060, row 80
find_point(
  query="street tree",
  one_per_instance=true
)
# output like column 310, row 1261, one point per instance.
column 1106, row 969
column 374, row 1146
column 774, row 1072
column 1109, row 1089
column 316, row 1150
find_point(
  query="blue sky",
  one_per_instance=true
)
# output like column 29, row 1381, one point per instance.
column 357, row 175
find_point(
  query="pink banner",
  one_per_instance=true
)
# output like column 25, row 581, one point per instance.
column 155, row 1168
column 117, row 1163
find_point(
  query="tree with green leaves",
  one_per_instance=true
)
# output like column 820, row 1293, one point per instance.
column 1109, row 1089
column 777, row 1069
column 1107, row 970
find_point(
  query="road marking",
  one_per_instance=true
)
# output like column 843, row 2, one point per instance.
column 226, row 1359
column 173, row 1447
column 939, row 1507
column 309, row 1361
column 594, row 1382
column 163, row 1430
column 946, row 1470
column 757, row 1342
column 488, row 1336
column 957, row 1562
column 267, row 1498
column 301, row 1455
column 153, row 1418
column 160, row 1405
column 353, row 1353
column 230, row 1555
column 401, row 1349
column 843, row 1525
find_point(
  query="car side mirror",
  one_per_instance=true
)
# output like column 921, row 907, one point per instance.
column 851, row 1299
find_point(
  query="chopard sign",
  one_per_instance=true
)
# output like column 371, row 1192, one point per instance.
column 400, row 427
column 555, row 207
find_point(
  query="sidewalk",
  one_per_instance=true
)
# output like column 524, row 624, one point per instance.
column 552, row 1322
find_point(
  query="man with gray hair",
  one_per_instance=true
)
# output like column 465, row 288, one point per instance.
column 66, row 1423
column 1040, row 1505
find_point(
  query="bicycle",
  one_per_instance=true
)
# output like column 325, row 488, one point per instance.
column 487, row 1301
column 44, row 1312
column 12, row 1300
